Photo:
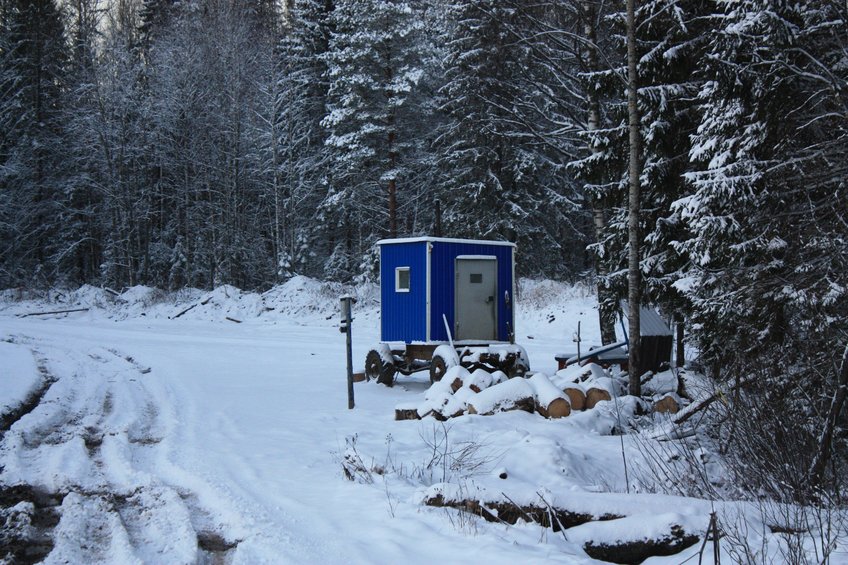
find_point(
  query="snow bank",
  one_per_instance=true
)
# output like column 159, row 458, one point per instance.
column 300, row 298
column 19, row 378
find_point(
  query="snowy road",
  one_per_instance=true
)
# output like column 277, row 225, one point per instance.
column 169, row 434
column 129, row 437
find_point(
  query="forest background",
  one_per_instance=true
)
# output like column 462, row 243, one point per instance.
column 207, row 142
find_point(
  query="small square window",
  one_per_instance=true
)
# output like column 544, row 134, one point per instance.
column 402, row 279
column 476, row 278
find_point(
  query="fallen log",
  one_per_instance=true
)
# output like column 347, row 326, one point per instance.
column 638, row 550
column 667, row 405
column 113, row 292
column 184, row 311
column 457, row 404
column 509, row 512
column 407, row 412
column 456, row 376
column 479, row 380
column 514, row 394
column 435, row 399
column 703, row 403
column 232, row 320
column 53, row 312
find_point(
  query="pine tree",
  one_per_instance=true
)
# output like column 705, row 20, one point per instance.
column 112, row 140
column 671, row 44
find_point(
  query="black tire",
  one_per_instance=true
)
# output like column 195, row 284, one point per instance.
column 379, row 370
column 518, row 369
column 438, row 368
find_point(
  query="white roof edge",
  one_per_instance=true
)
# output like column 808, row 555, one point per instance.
column 443, row 240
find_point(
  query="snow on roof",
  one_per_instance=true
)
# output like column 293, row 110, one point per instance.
column 650, row 321
column 442, row 240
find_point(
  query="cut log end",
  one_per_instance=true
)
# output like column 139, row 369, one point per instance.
column 595, row 395
column 666, row 405
column 577, row 398
column 559, row 408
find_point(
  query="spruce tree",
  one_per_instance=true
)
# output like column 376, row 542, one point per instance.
column 499, row 156
column 301, row 159
column 767, row 246
column 374, row 68
column 33, row 58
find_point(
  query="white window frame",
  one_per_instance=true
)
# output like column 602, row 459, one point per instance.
column 398, row 270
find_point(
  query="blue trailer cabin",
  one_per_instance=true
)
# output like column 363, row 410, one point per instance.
column 427, row 280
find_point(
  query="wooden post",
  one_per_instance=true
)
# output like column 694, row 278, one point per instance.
column 347, row 323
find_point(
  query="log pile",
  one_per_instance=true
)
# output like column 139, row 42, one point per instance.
column 480, row 392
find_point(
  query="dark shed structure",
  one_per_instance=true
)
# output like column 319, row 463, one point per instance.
column 656, row 338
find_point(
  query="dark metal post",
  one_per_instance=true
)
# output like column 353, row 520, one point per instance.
column 578, row 342
column 347, row 323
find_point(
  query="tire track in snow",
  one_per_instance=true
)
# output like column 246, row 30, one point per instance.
column 8, row 419
column 88, row 437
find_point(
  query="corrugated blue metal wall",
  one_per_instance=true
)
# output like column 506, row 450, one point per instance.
column 404, row 314
column 442, row 284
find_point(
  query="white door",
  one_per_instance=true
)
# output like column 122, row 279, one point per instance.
column 476, row 289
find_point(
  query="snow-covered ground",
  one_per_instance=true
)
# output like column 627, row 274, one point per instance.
column 213, row 427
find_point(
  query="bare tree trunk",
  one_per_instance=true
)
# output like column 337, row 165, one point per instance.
column 634, row 281
column 393, row 223
column 393, row 231
column 825, row 442
column 606, row 315
column 680, row 359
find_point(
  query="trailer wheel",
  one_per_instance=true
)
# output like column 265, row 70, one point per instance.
column 378, row 369
column 444, row 357
column 518, row 369
column 521, row 364
column 438, row 368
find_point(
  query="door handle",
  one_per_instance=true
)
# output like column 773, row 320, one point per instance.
column 490, row 299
